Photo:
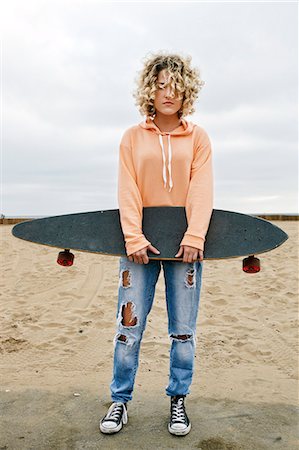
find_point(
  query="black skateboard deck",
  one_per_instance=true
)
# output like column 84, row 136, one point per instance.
column 230, row 234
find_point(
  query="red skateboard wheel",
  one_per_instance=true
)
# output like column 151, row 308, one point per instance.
column 65, row 258
column 251, row 264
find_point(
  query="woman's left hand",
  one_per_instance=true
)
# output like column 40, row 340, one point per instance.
column 190, row 254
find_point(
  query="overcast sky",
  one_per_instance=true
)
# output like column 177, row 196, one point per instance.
column 68, row 72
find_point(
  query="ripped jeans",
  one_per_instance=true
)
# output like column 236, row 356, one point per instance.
column 137, row 284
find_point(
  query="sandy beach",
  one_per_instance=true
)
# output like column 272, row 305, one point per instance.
column 56, row 349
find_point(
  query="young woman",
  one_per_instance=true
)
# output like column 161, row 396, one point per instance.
column 163, row 161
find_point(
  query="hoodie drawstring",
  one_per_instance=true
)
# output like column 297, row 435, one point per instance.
column 169, row 161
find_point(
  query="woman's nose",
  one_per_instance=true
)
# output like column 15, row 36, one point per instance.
column 168, row 92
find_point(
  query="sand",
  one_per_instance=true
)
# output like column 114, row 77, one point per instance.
column 56, row 349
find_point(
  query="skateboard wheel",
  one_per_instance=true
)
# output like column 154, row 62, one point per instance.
column 251, row 264
column 65, row 258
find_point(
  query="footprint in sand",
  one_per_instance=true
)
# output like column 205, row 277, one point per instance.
column 219, row 302
column 10, row 344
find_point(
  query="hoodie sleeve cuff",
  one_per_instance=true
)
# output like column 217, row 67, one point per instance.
column 136, row 244
column 193, row 241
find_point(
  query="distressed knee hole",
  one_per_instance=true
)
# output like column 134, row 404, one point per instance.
column 128, row 318
column 190, row 277
column 126, row 278
column 122, row 338
column 182, row 337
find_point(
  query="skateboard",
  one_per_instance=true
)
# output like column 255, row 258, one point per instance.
column 230, row 234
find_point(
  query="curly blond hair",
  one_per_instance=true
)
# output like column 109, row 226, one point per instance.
column 184, row 80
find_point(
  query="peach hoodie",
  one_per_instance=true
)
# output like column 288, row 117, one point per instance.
column 146, row 154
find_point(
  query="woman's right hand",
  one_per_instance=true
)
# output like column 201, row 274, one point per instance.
column 140, row 257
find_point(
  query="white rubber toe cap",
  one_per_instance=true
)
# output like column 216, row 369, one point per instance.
column 179, row 428
column 109, row 425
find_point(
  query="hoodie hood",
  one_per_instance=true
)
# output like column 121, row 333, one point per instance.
column 183, row 129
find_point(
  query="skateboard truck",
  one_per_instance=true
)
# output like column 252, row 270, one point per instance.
column 251, row 264
column 65, row 258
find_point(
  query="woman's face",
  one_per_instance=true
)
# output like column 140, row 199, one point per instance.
column 166, row 102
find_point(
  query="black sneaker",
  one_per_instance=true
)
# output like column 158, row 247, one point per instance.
column 179, row 423
column 115, row 418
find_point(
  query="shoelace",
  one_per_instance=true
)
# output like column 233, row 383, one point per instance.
column 115, row 412
column 178, row 411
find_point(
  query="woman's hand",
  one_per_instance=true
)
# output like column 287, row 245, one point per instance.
column 140, row 257
column 190, row 254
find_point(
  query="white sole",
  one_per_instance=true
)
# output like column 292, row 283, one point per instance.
column 110, row 430
column 179, row 432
